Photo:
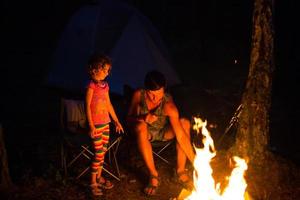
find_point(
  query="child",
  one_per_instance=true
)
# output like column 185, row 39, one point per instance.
column 98, row 110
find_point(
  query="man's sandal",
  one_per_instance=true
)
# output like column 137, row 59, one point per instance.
column 95, row 190
column 187, row 184
column 151, row 189
column 105, row 183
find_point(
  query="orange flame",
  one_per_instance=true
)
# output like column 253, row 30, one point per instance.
column 204, row 184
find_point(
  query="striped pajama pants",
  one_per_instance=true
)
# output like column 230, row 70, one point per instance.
column 100, row 144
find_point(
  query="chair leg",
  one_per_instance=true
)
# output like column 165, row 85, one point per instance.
column 163, row 159
column 112, row 158
column 158, row 153
column 86, row 152
column 83, row 172
column 74, row 159
column 164, row 147
column 110, row 173
column 115, row 157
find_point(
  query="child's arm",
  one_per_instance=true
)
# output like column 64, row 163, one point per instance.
column 113, row 115
column 88, row 99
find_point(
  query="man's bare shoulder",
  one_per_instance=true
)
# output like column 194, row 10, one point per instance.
column 136, row 95
column 137, row 92
column 170, row 108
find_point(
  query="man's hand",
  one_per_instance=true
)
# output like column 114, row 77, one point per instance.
column 150, row 118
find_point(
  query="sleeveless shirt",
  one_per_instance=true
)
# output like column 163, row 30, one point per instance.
column 162, row 119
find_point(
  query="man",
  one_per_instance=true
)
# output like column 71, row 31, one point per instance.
column 153, row 116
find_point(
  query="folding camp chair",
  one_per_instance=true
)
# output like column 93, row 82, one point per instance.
column 158, row 147
column 75, row 138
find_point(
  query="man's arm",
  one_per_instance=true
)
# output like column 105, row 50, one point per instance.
column 181, row 137
column 133, row 111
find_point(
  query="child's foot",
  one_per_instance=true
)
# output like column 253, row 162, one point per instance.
column 105, row 183
column 95, row 190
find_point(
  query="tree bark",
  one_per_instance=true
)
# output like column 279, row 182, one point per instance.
column 252, row 136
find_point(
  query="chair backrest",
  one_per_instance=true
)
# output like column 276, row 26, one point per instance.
column 73, row 118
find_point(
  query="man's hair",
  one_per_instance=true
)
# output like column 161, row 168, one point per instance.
column 154, row 80
column 98, row 61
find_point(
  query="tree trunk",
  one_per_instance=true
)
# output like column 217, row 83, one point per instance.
column 5, row 180
column 252, row 136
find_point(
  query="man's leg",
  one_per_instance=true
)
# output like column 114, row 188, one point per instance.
column 145, row 149
column 181, row 157
column 169, row 134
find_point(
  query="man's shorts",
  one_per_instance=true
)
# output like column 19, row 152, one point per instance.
column 157, row 134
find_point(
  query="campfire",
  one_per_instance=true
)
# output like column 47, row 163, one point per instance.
column 205, row 187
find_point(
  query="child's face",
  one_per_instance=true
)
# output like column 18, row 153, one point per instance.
column 101, row 74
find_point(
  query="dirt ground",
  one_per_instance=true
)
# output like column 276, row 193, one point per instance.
column 52, row 185
column 129, row 187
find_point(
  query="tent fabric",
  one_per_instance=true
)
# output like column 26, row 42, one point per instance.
column 67, row 70
column 121, row 32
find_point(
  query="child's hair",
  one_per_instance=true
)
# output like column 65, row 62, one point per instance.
column 154, row 80
column 97, row 61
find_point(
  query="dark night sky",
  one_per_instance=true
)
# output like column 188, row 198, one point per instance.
column 209, row 28
column 210, row 33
